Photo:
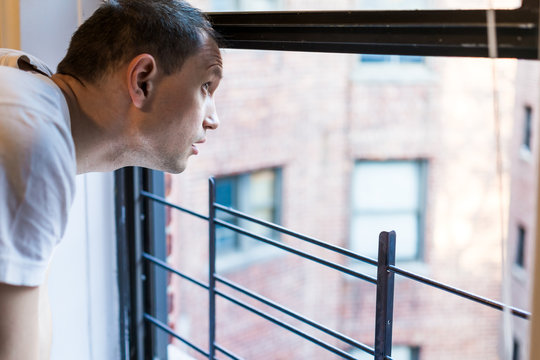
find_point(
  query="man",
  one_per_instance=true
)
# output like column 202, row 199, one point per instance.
column 136, row 88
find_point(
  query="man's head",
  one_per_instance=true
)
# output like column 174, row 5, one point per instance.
column 147, row 71
column 169, row 30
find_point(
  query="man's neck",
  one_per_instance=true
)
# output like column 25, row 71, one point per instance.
column 95, row 124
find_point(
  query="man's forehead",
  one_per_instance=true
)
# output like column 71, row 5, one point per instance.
column 210, row 55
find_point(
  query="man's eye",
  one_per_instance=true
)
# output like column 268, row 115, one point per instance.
column 206, row 87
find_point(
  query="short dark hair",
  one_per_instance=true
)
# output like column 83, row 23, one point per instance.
column 119, row 30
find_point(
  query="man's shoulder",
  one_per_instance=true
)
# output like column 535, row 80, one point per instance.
column 16, row 81
column 29, row 91
column 24, row 79
column 21, row 60
column 34, row 119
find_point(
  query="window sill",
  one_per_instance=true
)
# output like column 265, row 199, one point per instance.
column 519, row 273
column 525, row 154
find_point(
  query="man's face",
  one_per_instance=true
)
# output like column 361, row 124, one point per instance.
column 184, row 109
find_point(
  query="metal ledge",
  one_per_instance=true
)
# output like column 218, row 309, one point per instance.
column 411, row 32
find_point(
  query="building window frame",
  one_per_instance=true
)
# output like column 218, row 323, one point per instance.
column 421, row 169
column 243, row 251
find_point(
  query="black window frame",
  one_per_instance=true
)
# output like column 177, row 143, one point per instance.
column 459, row 33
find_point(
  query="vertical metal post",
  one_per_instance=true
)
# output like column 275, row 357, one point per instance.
column 212, row 268
column 130, row 274
column 138, row 274
column 385, row 295
column 156, row 280
column 124, row 203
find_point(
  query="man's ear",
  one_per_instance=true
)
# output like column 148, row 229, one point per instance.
column 141, row 72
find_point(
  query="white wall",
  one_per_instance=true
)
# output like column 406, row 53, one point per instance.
column 83, row 276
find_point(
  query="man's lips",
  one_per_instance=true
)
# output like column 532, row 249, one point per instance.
column 194, row 147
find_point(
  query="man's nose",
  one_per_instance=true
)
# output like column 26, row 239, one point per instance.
column 211, row 119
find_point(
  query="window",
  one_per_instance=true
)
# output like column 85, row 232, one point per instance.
column 399, row 352
column 411, row 176
column 262, row 5
column 256, row 193
column 390, row 68
column 244, row 5
column 395, row 69
column 527, row 129
column 388, row 195
column 520, row 247
column 391, row 59
column 515, row 350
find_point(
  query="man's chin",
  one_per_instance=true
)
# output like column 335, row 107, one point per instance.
column 176, row 167
column 167, row 164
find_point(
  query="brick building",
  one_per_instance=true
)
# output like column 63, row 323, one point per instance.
column 522, row 214
column 340, row 147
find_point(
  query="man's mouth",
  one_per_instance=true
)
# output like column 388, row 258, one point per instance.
column 194, row 147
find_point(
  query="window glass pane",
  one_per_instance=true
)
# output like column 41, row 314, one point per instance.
column 412, row 59
column 225, row 192
column 283, row 5
column 399, row 352
column 373, row 58
column 386, row 185
column 366, row 229
column 527, row 121
column 261, row 190
column 226, row 239
column 520, row 247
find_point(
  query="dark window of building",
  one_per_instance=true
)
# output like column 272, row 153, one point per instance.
column 257, row 193
column 388, row 195
column 515, row 350
column 527, row 128
column 520, row 248
column 399, row 352
column 391, row 59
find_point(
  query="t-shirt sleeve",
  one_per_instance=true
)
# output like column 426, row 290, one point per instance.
column 36, row 191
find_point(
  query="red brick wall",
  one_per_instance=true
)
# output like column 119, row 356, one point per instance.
column 523, row 194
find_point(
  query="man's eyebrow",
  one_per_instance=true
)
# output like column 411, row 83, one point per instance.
column 216, row 71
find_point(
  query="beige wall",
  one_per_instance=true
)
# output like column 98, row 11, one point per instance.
column 10, row 24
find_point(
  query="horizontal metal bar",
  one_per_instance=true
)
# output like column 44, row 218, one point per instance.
column 459, row 292
column 161, row 200
column 290, row 328
column 297, row 235
column 421, row 33
column 164, row 265
column 170, row 331
column 227, row 352
column 295, row 315
column 305, row 255
column 390, row 18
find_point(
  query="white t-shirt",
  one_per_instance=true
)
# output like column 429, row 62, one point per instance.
column 37, row 168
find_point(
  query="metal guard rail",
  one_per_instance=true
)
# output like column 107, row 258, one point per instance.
column 386, row 270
